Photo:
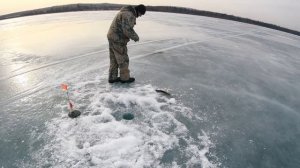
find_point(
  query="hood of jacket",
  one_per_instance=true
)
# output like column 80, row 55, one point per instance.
column 130, row 9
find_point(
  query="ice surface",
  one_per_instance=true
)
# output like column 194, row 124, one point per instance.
column 235, row 94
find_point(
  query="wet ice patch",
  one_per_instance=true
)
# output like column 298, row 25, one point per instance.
column 19, row 57
column 100, row 138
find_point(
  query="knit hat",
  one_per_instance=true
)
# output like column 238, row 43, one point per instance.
column 140, row 8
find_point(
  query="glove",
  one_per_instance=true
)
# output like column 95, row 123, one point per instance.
column 136, row 39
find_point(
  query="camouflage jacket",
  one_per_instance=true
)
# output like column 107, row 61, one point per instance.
column 121, row 29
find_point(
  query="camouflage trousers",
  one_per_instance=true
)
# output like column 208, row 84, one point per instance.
column 118, row 60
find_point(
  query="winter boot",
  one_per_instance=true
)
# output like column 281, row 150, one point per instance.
column 114, row 80
column 128, row 81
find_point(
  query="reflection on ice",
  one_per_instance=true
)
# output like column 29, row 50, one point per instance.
column 22, row 80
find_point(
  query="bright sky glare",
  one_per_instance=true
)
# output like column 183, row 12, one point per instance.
column 280, row 12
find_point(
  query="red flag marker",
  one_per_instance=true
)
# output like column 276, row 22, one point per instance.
column 72, row 113
column 64, row 87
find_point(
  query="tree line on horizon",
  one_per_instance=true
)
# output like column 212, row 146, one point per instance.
column 170, row 9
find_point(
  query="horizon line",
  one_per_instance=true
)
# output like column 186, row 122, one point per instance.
column 76, row 7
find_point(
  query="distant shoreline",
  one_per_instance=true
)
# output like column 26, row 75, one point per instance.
column 170, row 9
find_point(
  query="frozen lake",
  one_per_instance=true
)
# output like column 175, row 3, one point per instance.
column 235, row 94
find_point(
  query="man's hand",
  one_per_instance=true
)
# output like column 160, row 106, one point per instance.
column 136, row 39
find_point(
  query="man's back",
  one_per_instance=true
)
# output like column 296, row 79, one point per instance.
column 121, row 29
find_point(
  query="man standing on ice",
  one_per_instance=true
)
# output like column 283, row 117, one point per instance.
column 119, row 34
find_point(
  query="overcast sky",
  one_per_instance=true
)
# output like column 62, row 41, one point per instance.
column 284, row 13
